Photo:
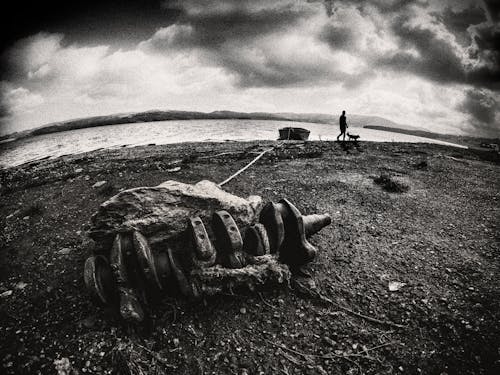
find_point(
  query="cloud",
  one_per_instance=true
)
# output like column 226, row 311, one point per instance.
column 425, row 50
column 259, row 43
column 78, row 81
column 21, row 99
column 493, row 10
column 214, row 23
column 267, row 44
column 483, row 108
column 429, row 48
column 29, row 54
column 485, row 55
column 458, row 21
column 412, row 61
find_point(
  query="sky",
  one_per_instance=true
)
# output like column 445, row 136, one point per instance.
column 434, row 64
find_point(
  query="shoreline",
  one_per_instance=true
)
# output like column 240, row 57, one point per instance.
column 438, row 238
column 52, row 157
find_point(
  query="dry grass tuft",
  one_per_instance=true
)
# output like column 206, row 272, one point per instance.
column 390, row 184
column 129, row 358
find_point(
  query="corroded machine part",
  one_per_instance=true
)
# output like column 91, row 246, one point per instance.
column 228, row 240
column 99, row 280
column 314, row 223
column 202, row 251
column 163, row 269
column 287, row 229
column 295, row 250
column 146, row 260
column 270, row 217
column 179, row 276
column 130, row 306
column 160, row 244
column 121, row 246
column 256, row 241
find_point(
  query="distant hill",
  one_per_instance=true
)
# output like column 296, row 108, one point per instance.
column 465, row 140
column 369, row 122
column 354, row 120
column 157, row 115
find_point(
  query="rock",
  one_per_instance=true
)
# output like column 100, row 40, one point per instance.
column 63, row 366
column 329, row 341
column 89, row 321
column 176, row 342
column 6, row 294
column 99, row 184
column 243, row 310
column 394, row 286
column 162, row 212
column 21, row 285
column 175, row 169
column 78, row 170
column 64, row 251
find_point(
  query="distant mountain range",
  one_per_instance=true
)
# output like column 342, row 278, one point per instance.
column 157, row 115
column 372, row 122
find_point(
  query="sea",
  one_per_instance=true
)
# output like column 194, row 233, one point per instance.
column 165, row 132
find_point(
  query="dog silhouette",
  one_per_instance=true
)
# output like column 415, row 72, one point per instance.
column 353, row 137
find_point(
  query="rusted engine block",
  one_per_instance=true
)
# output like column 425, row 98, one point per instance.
column 192, row 240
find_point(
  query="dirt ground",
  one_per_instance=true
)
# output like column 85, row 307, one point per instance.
column 440, row 238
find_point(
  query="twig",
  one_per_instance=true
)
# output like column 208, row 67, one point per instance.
column 455, row 159
column 366, row 317
column 359, row 315
column 303, row 355
column 307, row 357
column 378, row 347
column 265, row 302
column 157, row 356
column 221, row 154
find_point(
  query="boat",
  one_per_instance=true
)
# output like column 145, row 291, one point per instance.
column 299, row 134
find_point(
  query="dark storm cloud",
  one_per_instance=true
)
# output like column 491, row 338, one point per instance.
column 231, row 36
column 85, row 21
column 240, row 22
column 224, row 27
column 424, row 53
column 427, row 53
column 277, row 72
column 458, row 21
column 483, row 108
column 338, row 36
column 4, row 109
column 492, row 9
column 122, row 24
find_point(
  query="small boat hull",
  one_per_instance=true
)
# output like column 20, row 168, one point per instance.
column 298, row 134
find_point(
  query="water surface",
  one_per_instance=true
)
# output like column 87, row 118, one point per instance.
column 164, row 132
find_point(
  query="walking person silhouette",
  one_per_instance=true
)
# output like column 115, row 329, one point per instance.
column 343, row 126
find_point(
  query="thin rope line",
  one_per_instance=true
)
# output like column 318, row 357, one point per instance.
column 246, row 166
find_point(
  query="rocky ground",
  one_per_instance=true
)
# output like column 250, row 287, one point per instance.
column 420, row 249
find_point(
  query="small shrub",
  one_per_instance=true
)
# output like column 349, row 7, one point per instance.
column 34, row 209
column 189, row 159
column 129, row 358
column 421, row 165
column 391, row 185
column 106, row 190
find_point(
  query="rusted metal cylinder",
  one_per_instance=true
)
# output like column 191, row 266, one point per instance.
column 314, row 223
